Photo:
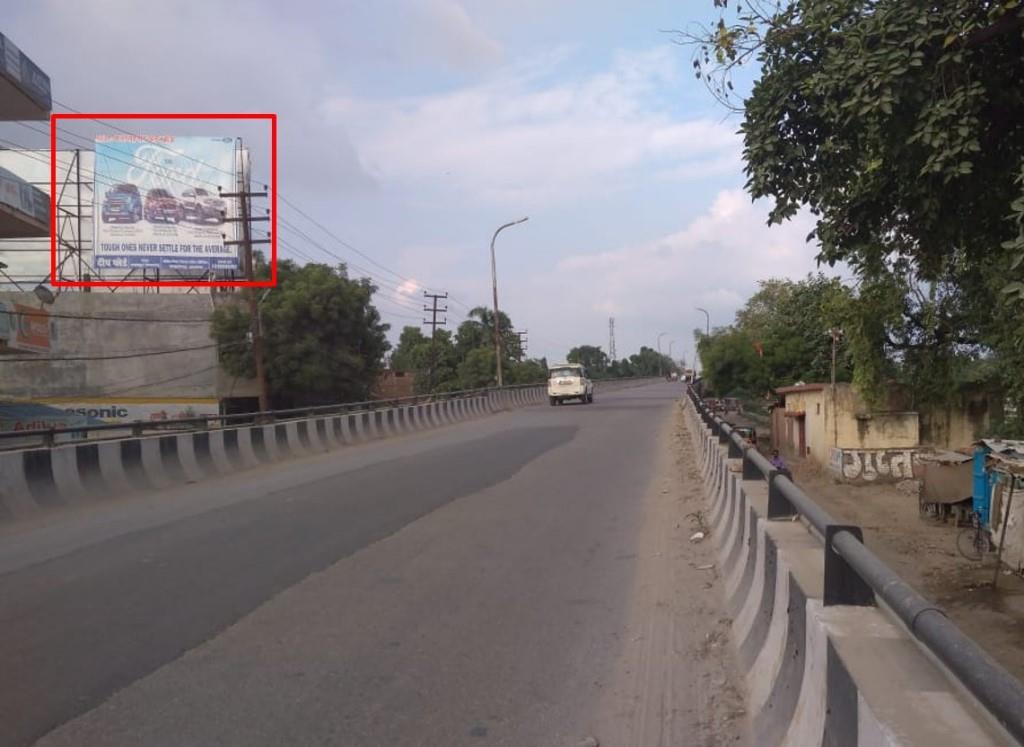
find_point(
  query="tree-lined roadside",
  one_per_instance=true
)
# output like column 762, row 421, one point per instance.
column 900, row 128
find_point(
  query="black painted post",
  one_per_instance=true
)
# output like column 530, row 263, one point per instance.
column 843, row 585
column 779, row 506
column 750, row 472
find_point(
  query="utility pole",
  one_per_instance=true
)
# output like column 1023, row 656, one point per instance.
column 660, row 369
column 522, row 343
column 611, row 338
column 434, row 324
column 244, row 194
column 835, row 334
column 434, row 311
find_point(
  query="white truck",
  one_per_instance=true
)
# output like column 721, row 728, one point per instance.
column 569, row 381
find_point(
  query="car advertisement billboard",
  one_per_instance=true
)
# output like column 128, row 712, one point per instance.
column 157, row 203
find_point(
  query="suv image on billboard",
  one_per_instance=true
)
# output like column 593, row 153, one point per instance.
column 122, row 202
column 161, row 205
column 199, row 206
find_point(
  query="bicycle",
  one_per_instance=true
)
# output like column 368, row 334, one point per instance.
column 973, row 542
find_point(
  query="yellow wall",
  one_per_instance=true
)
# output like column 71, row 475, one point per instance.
column 812, row 404
column 823, row 429
column 962, row 422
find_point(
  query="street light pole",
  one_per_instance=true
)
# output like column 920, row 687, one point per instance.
column 707, row 317
column 660, row 335
column 494, row 287
column 670, row 344
column 696, row 352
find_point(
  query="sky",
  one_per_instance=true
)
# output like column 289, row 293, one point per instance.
column 409, row 130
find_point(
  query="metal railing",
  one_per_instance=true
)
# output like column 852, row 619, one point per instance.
column 854, row 575
column 47, row 437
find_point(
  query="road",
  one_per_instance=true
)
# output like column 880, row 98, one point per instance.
column 524, row 579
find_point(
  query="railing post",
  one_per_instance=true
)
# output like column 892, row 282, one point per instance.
column 136, row 427
column 49, row 438
column 735, row 452
column 779, row 506
column 750, row 472
column 843, row 585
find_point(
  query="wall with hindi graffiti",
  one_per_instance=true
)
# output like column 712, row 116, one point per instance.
column 862, row 466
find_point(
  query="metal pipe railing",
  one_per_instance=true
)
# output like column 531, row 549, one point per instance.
column 996, row 689
column 47, row 436
column 137, row 427
column 855, row 575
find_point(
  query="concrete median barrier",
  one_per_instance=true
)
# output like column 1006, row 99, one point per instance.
column 817, row 674
column 36, row 480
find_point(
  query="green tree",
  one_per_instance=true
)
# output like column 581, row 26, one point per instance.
column 324, row 340
column 530, row 371
column 402, row 357
column 781, row 335
column 896, row 124
column 592, row 358
column 649, row 362
column 477, row 369
column 478, row 332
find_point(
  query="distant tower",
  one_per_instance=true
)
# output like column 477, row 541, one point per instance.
column 611, row 338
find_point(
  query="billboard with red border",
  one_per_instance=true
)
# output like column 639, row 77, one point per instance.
column 160, row 248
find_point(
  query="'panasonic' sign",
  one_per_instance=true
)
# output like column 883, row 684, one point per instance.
column 99, row 412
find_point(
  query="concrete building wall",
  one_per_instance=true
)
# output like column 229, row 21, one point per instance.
column 805, row 411
column 98, row 373
column 841, row 420
column 963, row 421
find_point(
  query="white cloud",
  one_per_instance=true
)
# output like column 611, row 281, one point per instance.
column 408, row 287
column 714, row 262
column 444, row 30
column 519, row 139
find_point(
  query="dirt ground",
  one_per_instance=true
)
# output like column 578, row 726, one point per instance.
column 924, row 553
column 677, row 682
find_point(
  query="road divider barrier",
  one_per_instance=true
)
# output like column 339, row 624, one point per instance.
column 826, row 662
column 34, row 480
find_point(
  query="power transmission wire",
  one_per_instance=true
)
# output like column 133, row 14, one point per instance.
column 118, row 356
column 86, row 317
column 280, row 196
column 190, row 374
column 379, row 281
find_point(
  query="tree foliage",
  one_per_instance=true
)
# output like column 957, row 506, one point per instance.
column 465, row 360
column 900, row 127
column 783, row 334
column 324, row 341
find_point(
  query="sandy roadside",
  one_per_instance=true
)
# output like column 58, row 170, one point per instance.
column 676, row 682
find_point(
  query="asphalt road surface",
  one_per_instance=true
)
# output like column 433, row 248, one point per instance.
column 525, row 579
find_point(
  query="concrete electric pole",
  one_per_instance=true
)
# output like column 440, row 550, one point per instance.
column 244, row 194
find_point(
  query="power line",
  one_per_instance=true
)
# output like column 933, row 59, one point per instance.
column 86, row 317
column 280, row 196
column 116, row 356
column 282, row 222
column 190, row 374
